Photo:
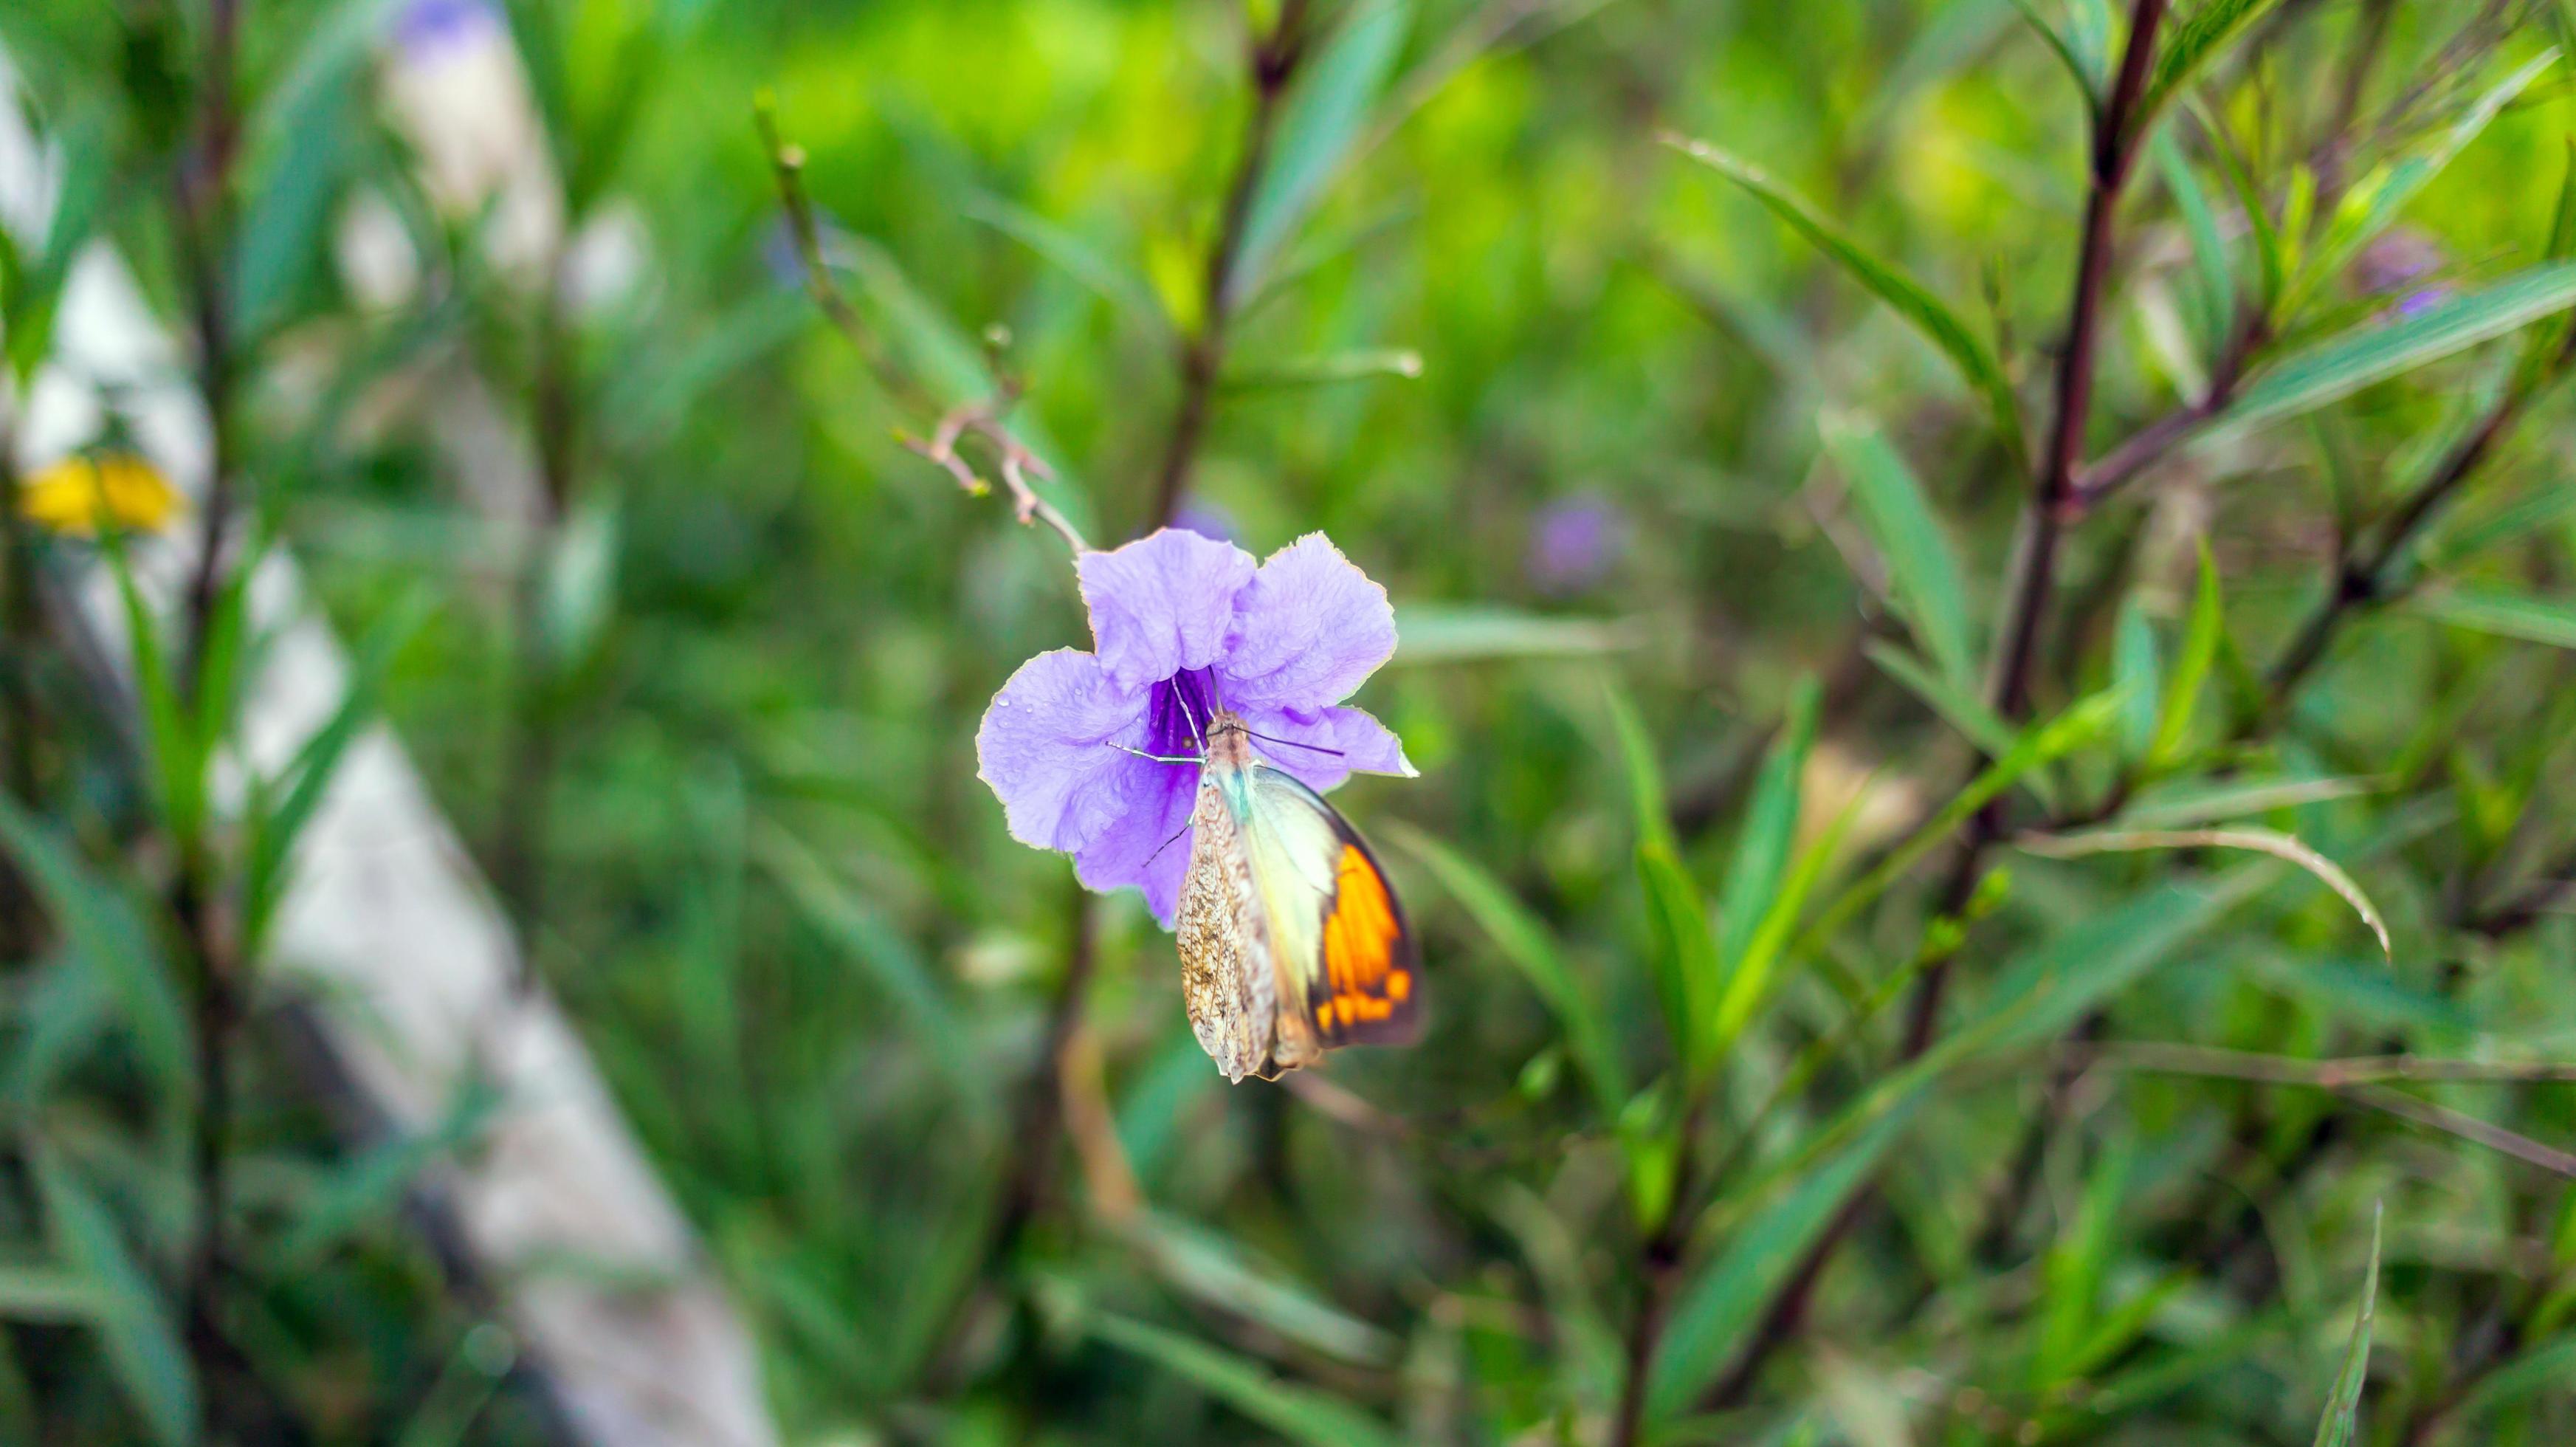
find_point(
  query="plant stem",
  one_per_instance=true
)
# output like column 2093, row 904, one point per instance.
column 2044, row 521
column 204, row 231
column 2367, row 581
column 18, row 637
column 1275, row 59
column 520, row 820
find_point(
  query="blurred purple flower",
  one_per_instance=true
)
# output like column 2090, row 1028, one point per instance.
column 2399, row 261
column 1183, row 625
column 1574, row 542
column 1207, row 519
column 428, row 26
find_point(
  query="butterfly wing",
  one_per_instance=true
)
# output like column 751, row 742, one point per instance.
column 1227, row 978
column 1348, row 967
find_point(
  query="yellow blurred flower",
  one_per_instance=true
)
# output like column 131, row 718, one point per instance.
column 69, row 496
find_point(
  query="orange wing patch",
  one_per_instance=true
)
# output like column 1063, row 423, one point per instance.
column 1367, row 989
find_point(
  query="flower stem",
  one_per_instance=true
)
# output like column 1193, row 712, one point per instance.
column 1275, row 60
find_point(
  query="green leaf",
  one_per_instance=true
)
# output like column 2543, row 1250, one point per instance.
column 1770, row 828
column 2072, row 1274
column 2137, row 673
column 1909, row 298
column 2206, row 801
column 373, row 1183
column 1357, row 365
column 1299, row 1413
column 1445, row 633
column 2502, row 613
column 2546, row 506
column 1974, row 718
column 841, row 916
column 1686, row 964
column 134, row 1323
column 1525, row 941
column 1749, row 980
column 1718, row 1305
column 178, row 760
column 2376, row 199
column 1219, row 1272
column 2191, row 668
column 105, row 931
column 1920, row 560
column 2261, row 841
column 273, row 831
column 2374, row 350
column 2343, row 1403
column 1118, row 285
column 1322, row 119
column 2192, row 46
column 2038, row 745
column 2087, row 81
column 2217, row 290
column 1645, row 775
column 47, row 1294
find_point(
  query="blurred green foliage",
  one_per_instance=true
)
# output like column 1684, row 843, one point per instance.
column 1684, row 371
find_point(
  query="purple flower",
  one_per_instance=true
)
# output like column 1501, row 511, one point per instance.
column 1181, row 626
column 1574, row 542
column 428, row 26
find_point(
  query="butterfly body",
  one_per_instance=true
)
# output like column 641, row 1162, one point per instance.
column 1291, row 940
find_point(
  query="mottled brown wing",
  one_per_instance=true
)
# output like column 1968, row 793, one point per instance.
column 1227, row 979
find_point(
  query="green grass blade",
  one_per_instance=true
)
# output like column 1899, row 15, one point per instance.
column 1770, row 829
column 134, row 1322
column 2502, row 613
column 2194, row 43
column 2374, row 350
column 1525, row 941
column 1322, row 120
column 2191, row 667
column 2260, row 841
column 1718, row 1305
column 1299, row 1413
column 1921, row 562
column 2343, row 1403
column 1909, row 298
column 106, row 931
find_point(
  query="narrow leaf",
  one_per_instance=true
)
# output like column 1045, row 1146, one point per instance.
column 2137, row 672
column 2504, row 614
column 2199, row 651
column 134, row 1324
column 2375, row 350
column 1909, row 298
column 1443, row 633
column 110, row 936
column 1770, row 828
column 2343, row 1403
column 2196, row 42
column 1331, row 104
column 1299, row 1413
column 1524, row 940
column 1076, row 257
column 2262, row 841
column 1357, row 365
column 2087, row 83
column 1920, row 560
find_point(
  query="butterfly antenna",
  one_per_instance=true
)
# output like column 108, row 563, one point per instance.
column 1166, row 844
column 1197, row 735
column 1294, row 744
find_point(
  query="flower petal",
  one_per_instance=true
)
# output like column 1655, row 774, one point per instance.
column 1149, row 844
column 1309, row 631
column 1163, row 603
column 1045, row 748
column 1359, row 744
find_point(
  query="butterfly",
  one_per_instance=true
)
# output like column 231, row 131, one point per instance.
column 1291, row 940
